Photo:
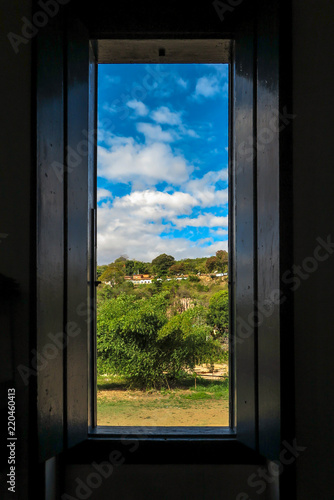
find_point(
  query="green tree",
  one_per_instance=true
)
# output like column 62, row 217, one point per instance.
column 107, row 292
column 136, row 267
column 193, row 278
column 178, row 268
column 222, row 260
column 157, row 285
column 211, row 264
column 162, row 263
column 187, row 341
column 114, row 273
column 136, row 340
column 100, row 270
column 122, row 258
column 218, row 311
column 129, row 267
column 218, row 263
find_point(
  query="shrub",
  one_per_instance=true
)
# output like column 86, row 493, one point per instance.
column 200, row 287
column 193, row 278
column 218, row 311
column 136, row 340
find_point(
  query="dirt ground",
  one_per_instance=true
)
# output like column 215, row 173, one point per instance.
column 220, row 370
column 159, row 410
column 139, row 408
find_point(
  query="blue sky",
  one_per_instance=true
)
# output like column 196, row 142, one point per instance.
column 162, row 160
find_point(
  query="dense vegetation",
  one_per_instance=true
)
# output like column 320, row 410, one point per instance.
column 152, row 333
column 163, row 265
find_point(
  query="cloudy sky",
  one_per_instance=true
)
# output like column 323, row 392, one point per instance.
column 162, row 160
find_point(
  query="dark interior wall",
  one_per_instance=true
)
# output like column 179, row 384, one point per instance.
column 15, row 232
column 150, row 18
column 166, row 482
column 147, row 480
column 313, row 151
column 313, row 46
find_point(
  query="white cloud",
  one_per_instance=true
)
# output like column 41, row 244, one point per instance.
column 219, row 232
column 164, row 116
column 112, row 108
column 210, row 86
column 183, row 83
column 156, row 205
column 133, row 225
column 207, row 86
column 143, row 245
column 191, row 133
column 205, row 188
column 155, row 133
column 102, row 194
column 203, row 220
column 220, row 69
column 218, row 245
column 140, row 164
column 112, row 78
column 140, row 108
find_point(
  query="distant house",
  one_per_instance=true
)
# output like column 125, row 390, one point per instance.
column 141, row 281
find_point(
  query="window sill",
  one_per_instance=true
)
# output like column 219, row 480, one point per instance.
column 149, row 432
column 171, row 445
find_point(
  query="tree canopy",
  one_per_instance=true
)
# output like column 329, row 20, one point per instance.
column 165, row 264
column 218, row 263
column 136, row 267
column 113, row 273
column 135, row 339
column 162, row 263
column 218, row 311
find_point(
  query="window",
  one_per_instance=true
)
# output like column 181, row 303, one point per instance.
column 149, row 78
column 162, row 241
column 259, row 215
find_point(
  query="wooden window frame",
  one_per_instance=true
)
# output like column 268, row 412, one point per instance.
column 176, row 51
column 262, row 206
